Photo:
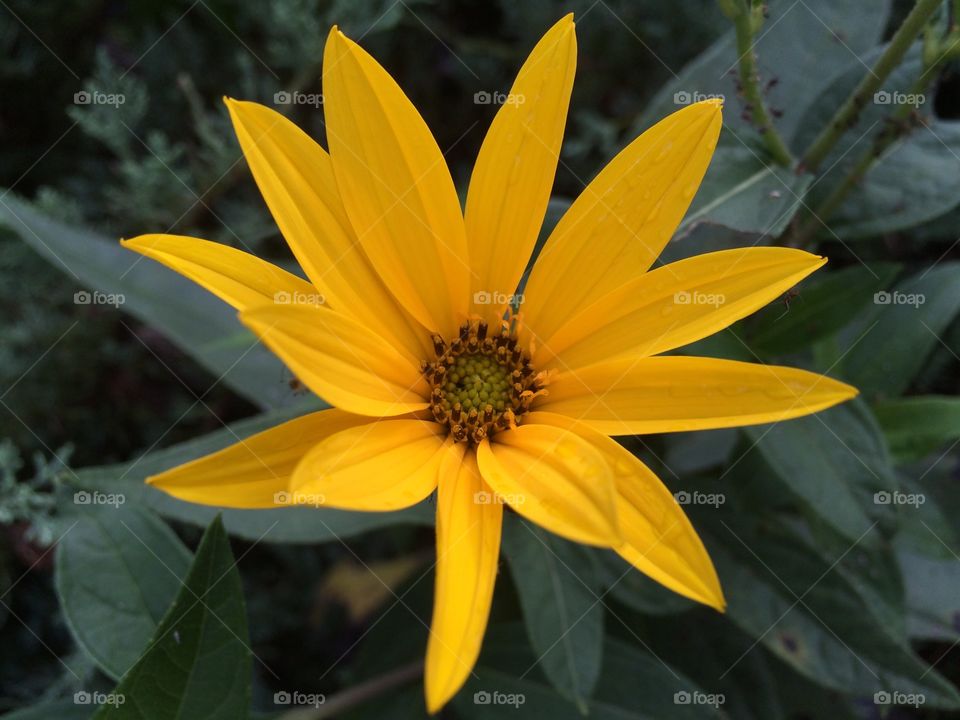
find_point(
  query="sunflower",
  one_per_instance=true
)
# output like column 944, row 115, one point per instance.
column 442, row 376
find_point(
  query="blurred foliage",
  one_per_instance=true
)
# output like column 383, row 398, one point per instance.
column 839, row 586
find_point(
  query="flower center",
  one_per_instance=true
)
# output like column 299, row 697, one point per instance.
column 481, row 384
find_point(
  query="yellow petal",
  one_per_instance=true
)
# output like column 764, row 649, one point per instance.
column 384, row 465
column 296, row 179
column 674, row 393
column 339, row 359
column 468, row 549
column 255, row 472
column 617, row 227
column 513, row 176
column 658, row 538
column 675, row 305
column 238, row 278
column 395, row 186
column 554, row 478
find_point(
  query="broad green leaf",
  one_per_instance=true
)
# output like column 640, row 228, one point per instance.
column 917, row 426
column 117, row 571
column 562, row 608
column 294, row 524
column 634, row 685
column 198, row 663
column 743, row 192
column 797, row 47
column 622, row 582
column 912, row 182
column 901, row 329
column 933, row 596
column 805, row 611
column 825, row 304
column 59, row 709
column 200, row 324
column 832, row 463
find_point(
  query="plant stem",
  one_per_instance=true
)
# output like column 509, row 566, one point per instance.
column 743, row 23
column 337, row 704
column 849, row 112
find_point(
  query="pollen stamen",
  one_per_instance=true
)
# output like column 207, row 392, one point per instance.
column 482, row 382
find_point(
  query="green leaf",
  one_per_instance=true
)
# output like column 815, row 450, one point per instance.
column 933, row 596
column 798, row 45
column 117, row 571
column 198, row 663
column 743, row 192
column 561, row 604
column 622, row 582
column 60, row 709
column 900, row 331
column 825, row 304
column 832, row 463
column 197, row 322
column 917, row 426
column 634, row 685
column 800, row 607
column 289, row 524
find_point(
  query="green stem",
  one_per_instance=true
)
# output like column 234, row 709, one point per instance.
column 743, row 23
column 336, row 705
column 849, row 112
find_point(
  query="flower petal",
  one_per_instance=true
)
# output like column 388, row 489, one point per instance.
column 236, row 277
column 395, row 186
column 675, row 393
column 468, row 550
column 254, row 472
column 658, row 538
column 513, row 176
column 296, row 179
column 554, row 478
column 340, row 360
column 383, row 465
column 675, row 305
column 617, row 227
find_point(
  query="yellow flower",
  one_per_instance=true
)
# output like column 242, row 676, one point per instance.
column 405, row 327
